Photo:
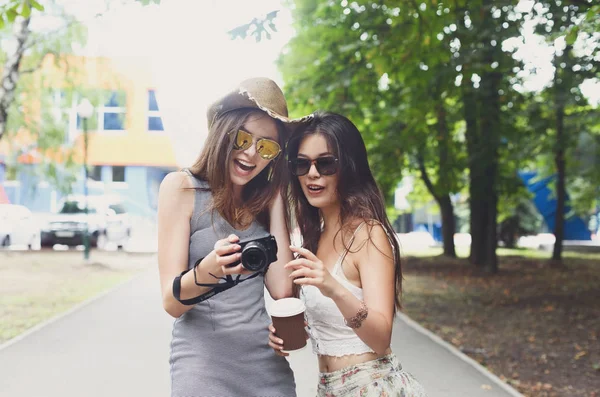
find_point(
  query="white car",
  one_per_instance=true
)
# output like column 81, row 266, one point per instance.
column 18, row 227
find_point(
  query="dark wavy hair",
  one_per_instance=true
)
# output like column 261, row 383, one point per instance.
column 359, row 196
column 213, row 166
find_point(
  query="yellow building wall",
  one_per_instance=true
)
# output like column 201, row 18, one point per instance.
column 135, row 145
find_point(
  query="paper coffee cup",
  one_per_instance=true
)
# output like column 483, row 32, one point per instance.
column 288, row 319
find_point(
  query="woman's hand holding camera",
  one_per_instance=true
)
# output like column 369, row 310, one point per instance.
column 224, row 254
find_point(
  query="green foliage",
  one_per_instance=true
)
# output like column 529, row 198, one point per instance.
column 34, row 95
column 569, row 31
column 359, row 60
column 11, row 9
column 589, row 23
column 55, row 95
column 393, row 69
column 423, row 81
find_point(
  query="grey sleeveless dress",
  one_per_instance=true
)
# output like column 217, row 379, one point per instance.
column 220, row 347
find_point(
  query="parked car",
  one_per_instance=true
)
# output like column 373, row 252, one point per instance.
column 18, row 226
column 107, row 221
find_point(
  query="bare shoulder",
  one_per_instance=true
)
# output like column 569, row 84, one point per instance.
column 373, row 240
column 175, row 180
column 176, row 191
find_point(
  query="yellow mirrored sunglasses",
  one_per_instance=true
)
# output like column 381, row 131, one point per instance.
column 268, row 149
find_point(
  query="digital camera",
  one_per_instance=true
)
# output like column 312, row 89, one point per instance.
column 257, row 253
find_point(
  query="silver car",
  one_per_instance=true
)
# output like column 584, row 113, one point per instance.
column 106, row 219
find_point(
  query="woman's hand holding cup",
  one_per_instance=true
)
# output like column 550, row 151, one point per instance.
column 287, row 330
column 276, row 343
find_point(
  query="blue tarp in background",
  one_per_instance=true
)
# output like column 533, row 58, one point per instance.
column 575, row 227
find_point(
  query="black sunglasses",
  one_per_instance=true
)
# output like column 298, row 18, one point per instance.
column 326, row 165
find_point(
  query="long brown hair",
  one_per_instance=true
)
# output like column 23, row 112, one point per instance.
column 213, row 166
column 359, row 196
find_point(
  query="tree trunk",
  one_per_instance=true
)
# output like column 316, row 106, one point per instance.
column 508, row 231
column 490, row 263
column 446, row 208
column 559, row 160
column 471, row 105
column 489, row 199
column 560, row 93
column 489, row 116
column 444, row 182
column 477, row 220
column 10, row 73
column 448, row 225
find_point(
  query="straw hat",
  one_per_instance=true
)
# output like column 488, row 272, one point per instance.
column 260, row 93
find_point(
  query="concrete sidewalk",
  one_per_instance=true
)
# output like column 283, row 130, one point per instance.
column 118, row 345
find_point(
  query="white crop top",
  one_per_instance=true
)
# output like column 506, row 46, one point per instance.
column 329, row 335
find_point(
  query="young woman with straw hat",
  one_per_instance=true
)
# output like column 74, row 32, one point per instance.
column 232, row 193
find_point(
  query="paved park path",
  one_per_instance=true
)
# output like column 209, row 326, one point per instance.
column 118, row 345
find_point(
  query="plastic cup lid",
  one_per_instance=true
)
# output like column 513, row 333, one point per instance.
column 287, row 307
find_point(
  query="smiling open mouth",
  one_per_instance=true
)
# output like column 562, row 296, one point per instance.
column 315, row 188
column 244, row 166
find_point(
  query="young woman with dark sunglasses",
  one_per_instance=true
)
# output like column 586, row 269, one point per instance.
column 232, row 192
column 348, row 268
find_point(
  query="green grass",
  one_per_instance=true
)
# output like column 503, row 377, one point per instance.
column 21, row 312
column 38, row 286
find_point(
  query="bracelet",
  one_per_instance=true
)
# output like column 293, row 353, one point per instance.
column 360, row 316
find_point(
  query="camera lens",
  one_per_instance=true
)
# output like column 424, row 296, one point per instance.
column 254, row 257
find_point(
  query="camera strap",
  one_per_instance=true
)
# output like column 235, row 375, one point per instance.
column 226, row 282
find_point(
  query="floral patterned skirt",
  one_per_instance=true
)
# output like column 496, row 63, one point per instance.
column 382, row 377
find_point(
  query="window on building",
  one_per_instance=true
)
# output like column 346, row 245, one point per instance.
column 113, row 111
column 95, row 173
column 118, row 173
column 59, row 108
column 154, row 117
column 63, row 114
column 62, row 105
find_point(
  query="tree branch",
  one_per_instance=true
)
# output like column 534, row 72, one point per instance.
column 425, row 177
column 45, row 36
column 40, row 62
column 10, row 74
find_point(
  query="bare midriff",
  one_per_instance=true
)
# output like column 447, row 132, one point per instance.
column 333, row 363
